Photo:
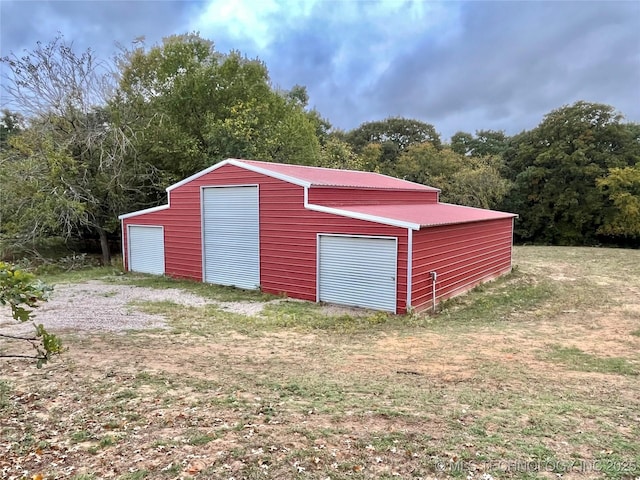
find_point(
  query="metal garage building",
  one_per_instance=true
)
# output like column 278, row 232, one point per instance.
column 346, row 237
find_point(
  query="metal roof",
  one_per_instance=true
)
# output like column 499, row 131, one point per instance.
column 331, row 177
column 315, row 176
column 424, row 215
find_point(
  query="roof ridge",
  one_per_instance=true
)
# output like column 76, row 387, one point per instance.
column 322, row 168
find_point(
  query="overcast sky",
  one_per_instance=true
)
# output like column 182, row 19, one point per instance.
column 459, row 66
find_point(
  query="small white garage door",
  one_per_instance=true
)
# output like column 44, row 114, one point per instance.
column 146, row 249
column 358, row 271
column 231, row 236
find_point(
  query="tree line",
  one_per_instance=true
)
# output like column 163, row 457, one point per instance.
column 88, row 139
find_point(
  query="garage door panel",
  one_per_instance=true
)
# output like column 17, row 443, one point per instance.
column 231, row 233
column 146, row 249
column 358, row 271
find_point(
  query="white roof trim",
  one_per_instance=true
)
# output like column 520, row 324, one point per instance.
column 142, row 212
column 478, row 208
column 363, row 216
column 198, row 175
column 241, row 164
column 269, row 173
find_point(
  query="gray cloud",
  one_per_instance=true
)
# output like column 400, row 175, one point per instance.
column 513, row 62
column 460, row 66
column 96, row 24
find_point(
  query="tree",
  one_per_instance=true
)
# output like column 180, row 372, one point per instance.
column 73, row 168
column 21, row 292
column 10, row 124
column 402, row 132
column 393, row 136
column 471, row 181
column 461, row 143
column 485, row 142
column 622, row 188
column 336, row 153
column 478, row 184
column 198, row 106
column 555, row 167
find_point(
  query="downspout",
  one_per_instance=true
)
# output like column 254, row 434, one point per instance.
column 409, row 267
column 124, row 253
column 434, row 278
column 513, row 230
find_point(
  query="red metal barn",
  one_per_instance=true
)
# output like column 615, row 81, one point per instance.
column 345, row 237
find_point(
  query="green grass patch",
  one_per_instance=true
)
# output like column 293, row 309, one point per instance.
column 80, row 436
column 55, row 276
column 137, row 475
column 636, row 333
column 199, row 438
column 496, row 301
column 312, row 316
column 576, row 359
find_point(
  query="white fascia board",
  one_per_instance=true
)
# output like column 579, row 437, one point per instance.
column 241, row 164
column 269, row 173
column 477, row 208
column 199, row 174
column 142, row 212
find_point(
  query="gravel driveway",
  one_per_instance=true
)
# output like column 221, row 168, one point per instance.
column 95, row 305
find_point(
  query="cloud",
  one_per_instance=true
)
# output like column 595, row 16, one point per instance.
column 457, row 65
column 96, row 24
column 513, row 62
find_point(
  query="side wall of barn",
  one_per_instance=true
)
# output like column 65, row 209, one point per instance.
column 463, row 256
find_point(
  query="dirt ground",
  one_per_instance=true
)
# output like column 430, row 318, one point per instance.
column 414, row 398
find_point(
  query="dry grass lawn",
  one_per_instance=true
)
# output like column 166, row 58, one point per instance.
column 536, row 375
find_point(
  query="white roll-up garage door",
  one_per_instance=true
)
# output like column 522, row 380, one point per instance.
column 231, row 236
column 358, row 271
column 146, row 249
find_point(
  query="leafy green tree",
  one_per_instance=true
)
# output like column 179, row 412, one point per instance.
column 22, row 292
column 471, row 181
column 402, row 132
column 426, row 164
column 461, row 142
column 72, row 169
column 10, row 124
column 485, row 142
column 555, row 167
column 197, row 106
column 336, row 153
column 393, row 136
column 622, row 188
column 478, row 184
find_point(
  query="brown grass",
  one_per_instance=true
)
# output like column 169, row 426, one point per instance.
column 533, row 376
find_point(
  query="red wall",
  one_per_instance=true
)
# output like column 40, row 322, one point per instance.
column 463, row 256
column 288, row 233
column 358, row 196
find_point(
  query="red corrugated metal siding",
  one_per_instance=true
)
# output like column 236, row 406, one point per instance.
column 288, row 233
column 463, row 256
column 182, row 244
column 288, row 241
column 353, row 196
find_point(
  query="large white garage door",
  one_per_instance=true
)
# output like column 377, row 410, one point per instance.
column 231, row 236
column 146, row 249
column 357, row 271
